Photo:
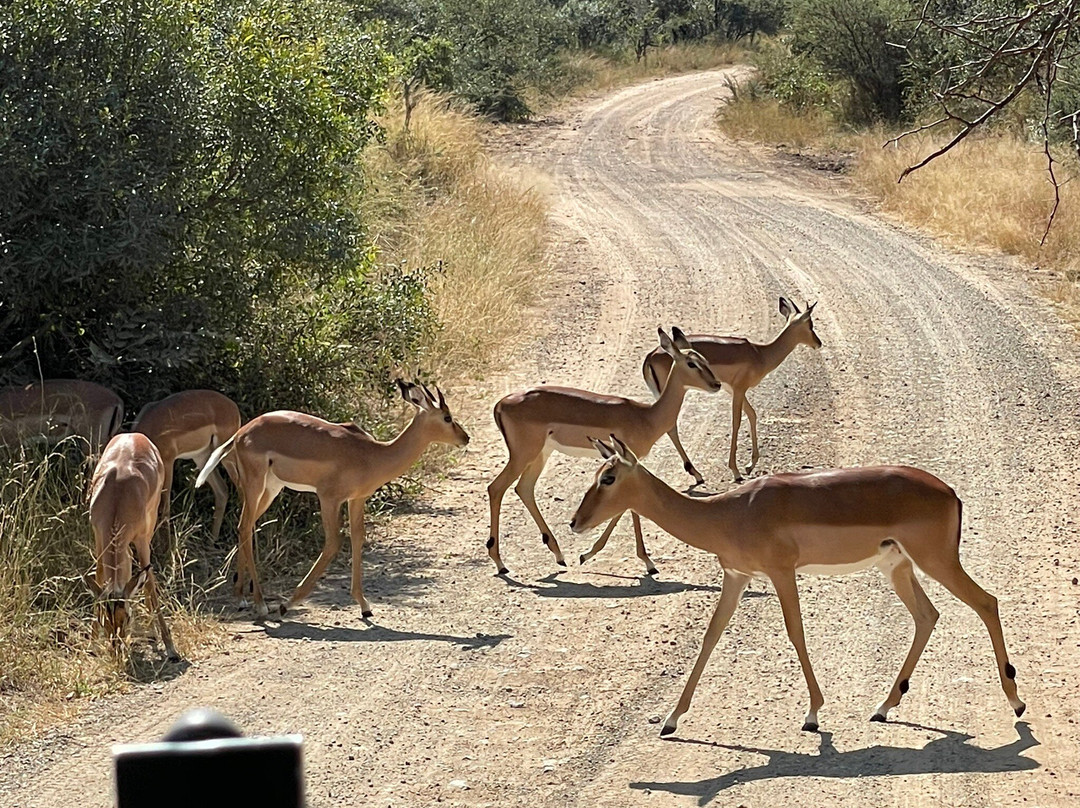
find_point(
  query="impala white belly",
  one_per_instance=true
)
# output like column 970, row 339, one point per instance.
column 275, row 483
column 552, row 445
column 839, row 569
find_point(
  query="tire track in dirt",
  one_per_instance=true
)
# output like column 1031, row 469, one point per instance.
column 537, row 690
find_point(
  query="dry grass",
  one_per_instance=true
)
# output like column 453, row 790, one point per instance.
column 766, row 121
column 992, row 192
column 585, row 72
column 49, row 658
column 435, row 198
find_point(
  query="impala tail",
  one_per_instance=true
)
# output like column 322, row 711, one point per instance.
column 215, row 458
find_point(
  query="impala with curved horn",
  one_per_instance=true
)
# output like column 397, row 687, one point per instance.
column 338, row 462
column 740, row 365
column 124, row 495
column 537, row 422
column 189, row 426
column 825, row 522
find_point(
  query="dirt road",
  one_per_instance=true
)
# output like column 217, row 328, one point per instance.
column 540, row 690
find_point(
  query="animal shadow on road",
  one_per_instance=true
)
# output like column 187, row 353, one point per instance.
column 552, row 586
column 292, row 630
column 949, row 754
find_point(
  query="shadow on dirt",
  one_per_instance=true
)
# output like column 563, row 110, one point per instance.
column 291, row 630
column 949, row 754
column 552, row 586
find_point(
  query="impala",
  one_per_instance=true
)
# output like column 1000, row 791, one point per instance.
column 189, row 426
column 60, row 408
column 338, row 462
column 537, row 422
column 124, row 495
column 825, row 522
column 740, row 365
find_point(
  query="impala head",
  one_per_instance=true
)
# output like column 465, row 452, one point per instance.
column 609, row 494
column 111, row 605
column 800, row 322
column 689, row 367
column 434, row 413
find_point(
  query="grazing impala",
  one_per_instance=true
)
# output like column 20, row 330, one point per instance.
column 189, row 426
column 537, row 422
column 824, row 522
column 124, row 494
column 60, row 408
column 740, row 365
column 338, row 462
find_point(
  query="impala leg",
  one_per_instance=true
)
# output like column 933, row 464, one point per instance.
column 221, row 498
column 496, row 491
column 736, row 420
column 601, row 543
column 953, row 577
column 734, row 584
column 751, row 416
column 639, row 539
column 788, row 593
column 357, row 537
column 526, row 490
column 164, row 511
column 153, row 603
column 253, row 508
column 331, row 519
column 907, row 588
column 673, row 433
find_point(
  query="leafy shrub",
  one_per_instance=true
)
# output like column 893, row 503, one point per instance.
column 173, row 168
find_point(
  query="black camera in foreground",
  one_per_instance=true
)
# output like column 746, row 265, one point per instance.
column 205, row 761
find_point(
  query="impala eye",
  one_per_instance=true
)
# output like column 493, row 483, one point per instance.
column 448, row 419
column 607, row 479
column 693, row 366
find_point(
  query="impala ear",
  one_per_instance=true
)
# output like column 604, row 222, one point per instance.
column 787, row 308
column 680, row 340
column 623, row 451
column 92, row 584
column 606, row 452
column 666, row 344
column 441, row 403
column 413, row 394
column 135, row 585
column 430, row 396
column 810, row 307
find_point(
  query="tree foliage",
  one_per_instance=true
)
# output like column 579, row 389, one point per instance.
column 173, row 170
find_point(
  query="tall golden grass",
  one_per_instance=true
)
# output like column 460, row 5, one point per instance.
column 436, row 199
column 990, row 192
column 49, row 658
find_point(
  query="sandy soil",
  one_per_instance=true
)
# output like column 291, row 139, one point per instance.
column 542, row 689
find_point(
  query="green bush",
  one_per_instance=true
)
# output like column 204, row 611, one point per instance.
column 858, row 42
column 173, row 171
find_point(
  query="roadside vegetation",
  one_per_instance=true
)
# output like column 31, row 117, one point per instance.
column 845, row 80
column 288, row 202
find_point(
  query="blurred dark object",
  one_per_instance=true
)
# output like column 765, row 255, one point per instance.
column 204, row 761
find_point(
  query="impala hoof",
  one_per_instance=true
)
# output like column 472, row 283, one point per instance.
column 561, row 562
column 367, row 614
column 1019, row 710
column 809, row 726
column 666, row 730
column 283, row 610
column 652, row 571
column 582, row 559
column 878, row 717
column 503, row 571
column 174, row 657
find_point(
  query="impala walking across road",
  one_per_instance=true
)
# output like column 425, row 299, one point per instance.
column 740, row 365
column 828, row 522
column 537, row 422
